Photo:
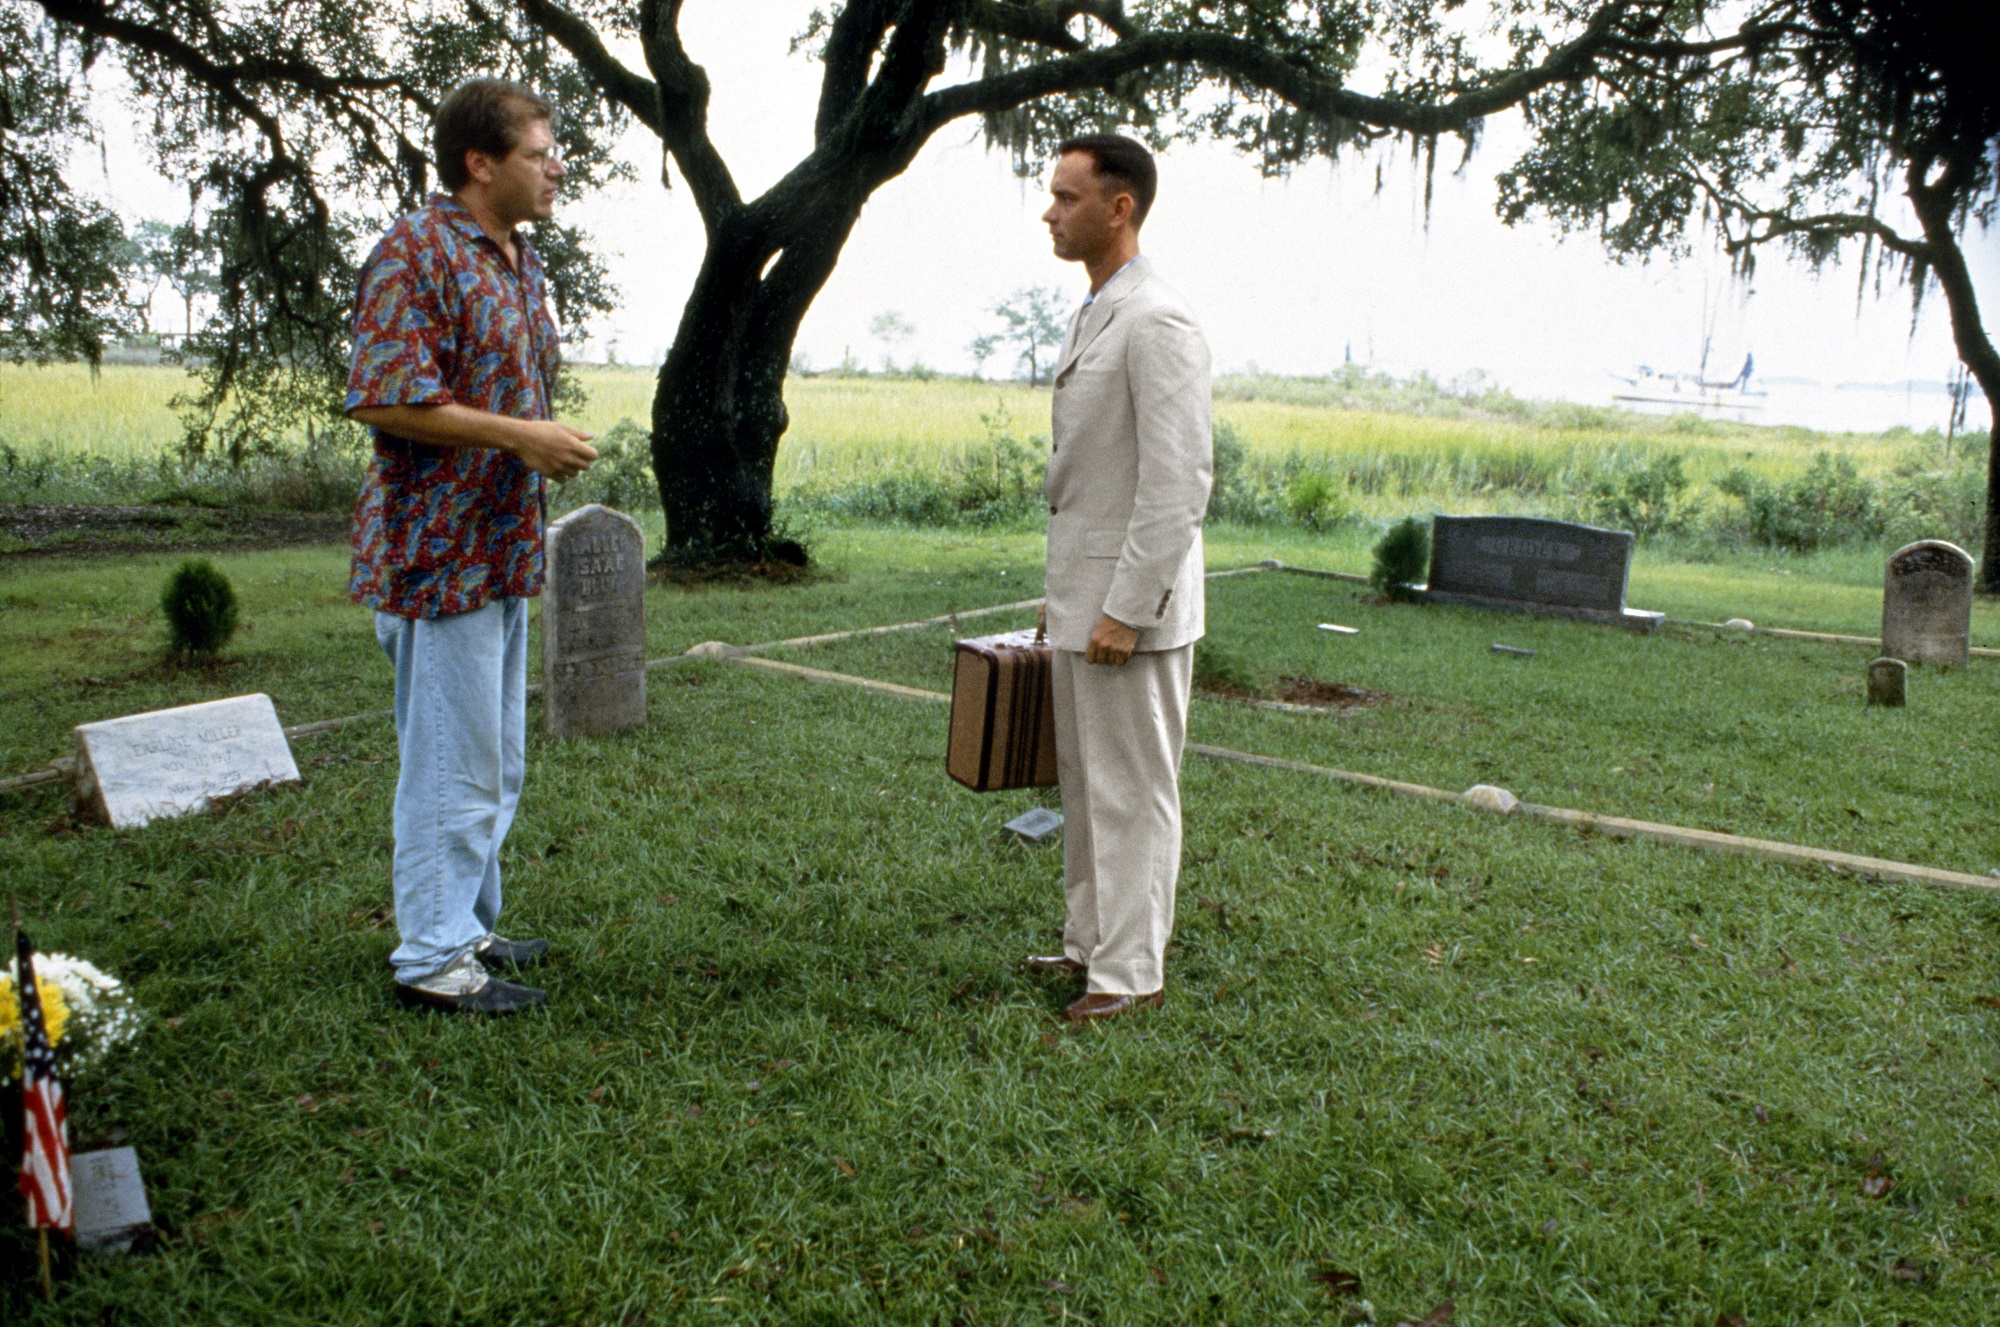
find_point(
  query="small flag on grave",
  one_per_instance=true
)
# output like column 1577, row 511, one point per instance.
column 45, row 1127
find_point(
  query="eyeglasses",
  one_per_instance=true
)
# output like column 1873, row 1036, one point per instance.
column 543, row 159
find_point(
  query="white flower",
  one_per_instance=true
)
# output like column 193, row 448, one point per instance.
column 99, row 1014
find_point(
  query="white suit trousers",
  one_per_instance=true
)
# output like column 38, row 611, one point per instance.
column 1119, row 733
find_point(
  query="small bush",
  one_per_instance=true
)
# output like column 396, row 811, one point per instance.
column 1648, row 498
column 621, row 477
column 200, row 605
column 1829, row 504
column 1317, row 500
column 1402, row 558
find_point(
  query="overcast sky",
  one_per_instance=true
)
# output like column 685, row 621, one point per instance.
column 1289, row 275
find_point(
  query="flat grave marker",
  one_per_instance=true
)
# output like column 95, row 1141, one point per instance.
column 1533, row 565
column 1927, row 604
column 112, row 1215
column 1036, row 826
column 178, row 762
column 594, row 624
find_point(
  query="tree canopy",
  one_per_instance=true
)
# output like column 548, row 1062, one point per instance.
column 301, row 127
column 1822, row 127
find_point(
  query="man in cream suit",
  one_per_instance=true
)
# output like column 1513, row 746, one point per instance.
column 1130, row 461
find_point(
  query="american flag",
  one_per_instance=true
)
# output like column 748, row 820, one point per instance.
column 45, row 1131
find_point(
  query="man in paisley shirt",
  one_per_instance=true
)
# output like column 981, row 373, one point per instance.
column 454, row 354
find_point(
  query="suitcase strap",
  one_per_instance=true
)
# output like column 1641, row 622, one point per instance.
column 1028, row 698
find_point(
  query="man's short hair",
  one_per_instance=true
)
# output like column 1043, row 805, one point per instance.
column 489, row 115
column 1124, row 162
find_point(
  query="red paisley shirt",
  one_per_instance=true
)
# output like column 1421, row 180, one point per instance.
column 442, row 318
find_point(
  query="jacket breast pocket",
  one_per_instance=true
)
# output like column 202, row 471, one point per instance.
column 1103, row 543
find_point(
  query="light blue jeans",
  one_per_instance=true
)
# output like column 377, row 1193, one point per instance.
column 461, row 738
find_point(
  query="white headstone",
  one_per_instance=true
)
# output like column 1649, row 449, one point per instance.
column 594, row 624
column 176, row 762
column 110, row 1195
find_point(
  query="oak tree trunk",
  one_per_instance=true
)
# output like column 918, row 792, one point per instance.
column 1975, row 349
column 719, row 410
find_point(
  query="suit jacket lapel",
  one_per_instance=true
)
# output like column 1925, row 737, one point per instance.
column 1097, row 315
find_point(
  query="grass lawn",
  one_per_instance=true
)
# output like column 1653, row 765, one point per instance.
column 791, row 1072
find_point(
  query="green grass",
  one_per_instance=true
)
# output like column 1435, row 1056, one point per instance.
column 791, row 1072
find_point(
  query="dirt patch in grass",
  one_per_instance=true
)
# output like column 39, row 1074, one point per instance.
column 1329, row 695
column 1306, row 691
column 35, row 530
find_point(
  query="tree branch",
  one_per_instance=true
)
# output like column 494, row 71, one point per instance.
column 1777, row 226
column 635, row 93
column 850, row 49
column 1305, row 89
column 683, row 125
column 226, row 80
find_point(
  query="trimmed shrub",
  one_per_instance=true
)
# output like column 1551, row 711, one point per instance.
column 1402, row 558
column 200, row 605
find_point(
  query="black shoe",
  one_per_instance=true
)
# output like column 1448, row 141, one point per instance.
column 515, row 953
column 493, row 997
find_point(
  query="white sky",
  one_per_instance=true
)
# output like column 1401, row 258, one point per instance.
column 1286, row 275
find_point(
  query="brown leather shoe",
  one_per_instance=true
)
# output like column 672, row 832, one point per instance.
column 1101, row 1004
column 1054, row 965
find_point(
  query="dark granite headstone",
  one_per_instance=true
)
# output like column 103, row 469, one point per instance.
column 1927, row 604
column 594, row 624
column 1529, row 564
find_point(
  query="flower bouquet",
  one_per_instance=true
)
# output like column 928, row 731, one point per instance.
column 88, row 1012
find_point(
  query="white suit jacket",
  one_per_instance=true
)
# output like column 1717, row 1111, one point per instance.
column 1131, row 458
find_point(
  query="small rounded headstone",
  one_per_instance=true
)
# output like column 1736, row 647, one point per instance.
column 1740, row 624
column 1887, row 680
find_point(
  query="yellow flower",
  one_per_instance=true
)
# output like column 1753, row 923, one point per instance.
column 55, row 1011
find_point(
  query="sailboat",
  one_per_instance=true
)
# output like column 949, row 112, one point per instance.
column 1692, row 391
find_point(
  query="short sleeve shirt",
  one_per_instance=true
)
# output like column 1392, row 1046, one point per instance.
column 443, row 318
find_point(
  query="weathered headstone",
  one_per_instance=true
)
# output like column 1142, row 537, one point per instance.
column 594, row 624
column 112, row 1215
column 1036, row 826
column 1927, row 603
column 177, row 762
column 1529, row 564
column 1888, row 681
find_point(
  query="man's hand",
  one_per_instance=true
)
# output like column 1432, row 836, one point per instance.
column 554, row 449
column 1111, row 642
column 544, row 446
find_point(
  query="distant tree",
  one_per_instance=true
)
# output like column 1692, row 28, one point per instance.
column 892, row 329
column 172, row 254
column 1796, row 130
column 64, row 264
column 1032, row 320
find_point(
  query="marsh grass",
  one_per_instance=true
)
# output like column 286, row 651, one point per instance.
column 791, row 1072
column 1389, row 443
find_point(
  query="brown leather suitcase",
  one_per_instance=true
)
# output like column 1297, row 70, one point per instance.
column 1003, row 714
